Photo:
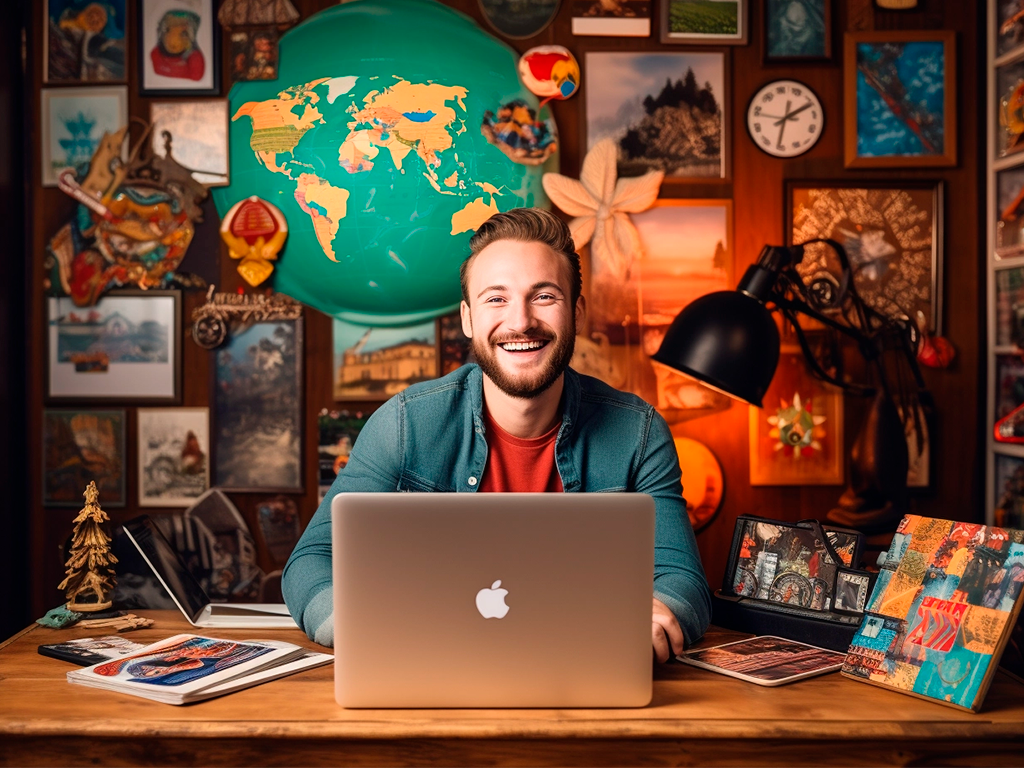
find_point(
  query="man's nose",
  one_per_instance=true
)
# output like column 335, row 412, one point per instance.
column 521, row 317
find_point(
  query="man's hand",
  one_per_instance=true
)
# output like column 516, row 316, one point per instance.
column 666, row 634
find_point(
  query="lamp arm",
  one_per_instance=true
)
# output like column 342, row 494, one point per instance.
column 812, row 360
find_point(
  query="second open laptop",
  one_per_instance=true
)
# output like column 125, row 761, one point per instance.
column 493, row 600
column 189, row 595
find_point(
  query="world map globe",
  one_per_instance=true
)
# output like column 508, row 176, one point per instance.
column 370, row 143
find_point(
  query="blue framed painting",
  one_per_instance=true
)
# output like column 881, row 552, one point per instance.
column 84, row 41
column 900, row 99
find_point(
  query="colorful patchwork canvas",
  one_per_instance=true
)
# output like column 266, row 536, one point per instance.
column 942, row 611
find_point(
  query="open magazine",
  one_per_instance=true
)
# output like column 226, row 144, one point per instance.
column 187, row 668
column 766, row 660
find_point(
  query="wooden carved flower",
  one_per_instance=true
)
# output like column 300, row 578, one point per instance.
column 601, row 205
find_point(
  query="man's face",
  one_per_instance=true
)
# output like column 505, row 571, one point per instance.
column 519, row 316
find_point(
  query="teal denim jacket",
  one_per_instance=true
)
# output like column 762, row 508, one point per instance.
column 430, row 437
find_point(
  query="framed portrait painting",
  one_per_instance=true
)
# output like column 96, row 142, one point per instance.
column 620, row 18
column 257, row 409
column 125, row 348
column 376, row 363
column 79, row 446
column 892, row 235
column 73, row 121
column 84, row 41
column 797, row 31
column 665, row 111
column 198, row 135
column 174, row 456
column 711, row 22
column 179, row 48
column 899, row 95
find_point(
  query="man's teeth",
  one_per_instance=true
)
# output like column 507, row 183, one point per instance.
column 519, row 346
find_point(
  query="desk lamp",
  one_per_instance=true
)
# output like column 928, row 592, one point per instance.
column 729, row 341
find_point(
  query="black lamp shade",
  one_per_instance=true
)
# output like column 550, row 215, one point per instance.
column 726, row 339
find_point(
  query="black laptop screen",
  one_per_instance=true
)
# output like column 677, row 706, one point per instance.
column 167, row 565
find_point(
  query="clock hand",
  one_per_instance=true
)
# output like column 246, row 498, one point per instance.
column 781, row 130
column 773, row 117
column 791, row 115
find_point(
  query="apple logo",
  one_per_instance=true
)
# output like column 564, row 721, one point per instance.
column 491, row 602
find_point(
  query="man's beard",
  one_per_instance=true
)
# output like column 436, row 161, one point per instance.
column 529, row 385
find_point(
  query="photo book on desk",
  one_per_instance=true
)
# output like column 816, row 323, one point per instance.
column 943, row 610
column 188, row 668
column 91, row 650
column 765, row 660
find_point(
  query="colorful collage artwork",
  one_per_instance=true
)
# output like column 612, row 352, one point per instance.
column 942, row 610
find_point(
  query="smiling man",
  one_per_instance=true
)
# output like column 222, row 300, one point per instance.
column 520, row 420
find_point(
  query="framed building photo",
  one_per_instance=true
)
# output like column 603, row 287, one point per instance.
column 892, row 234
column 257, row 409
column 711, row 22
column 84, row 41
column 179, row 48
column 127, row 347
column 376, row 363
column 797, row 31
column 665, row 111
column 618, row 18
column 899, row 95
column 73, row 120
column 79, row 446
column 174, row 456
column 198, row 134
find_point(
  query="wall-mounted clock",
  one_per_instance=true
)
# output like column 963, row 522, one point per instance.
column 785, row 118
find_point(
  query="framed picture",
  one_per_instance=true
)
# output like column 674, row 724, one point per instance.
column 125, row 348
column 797, row 437
column 892, row 234
column 456, row 349
column 711, row 22
column 1009, row 495
column 257, row 409
column 519, row 19
column 1009, row 30
column 619, row 18
column 79, row 446
column 73, row 121
column 198, row 134
column 1009, row 224
column 376, row 363
column 84, row 41
column 1009, row 306
column 1009, row 106
column 280, row 525
column 174, row 456
column 797, row 31
column 899, row 95
column 179, row 48
column 255, row 53
column 338, row 432
column 666, row 111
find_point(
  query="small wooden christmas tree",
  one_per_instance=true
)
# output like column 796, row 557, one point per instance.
column 90, row 567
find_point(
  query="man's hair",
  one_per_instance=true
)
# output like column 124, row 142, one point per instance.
column 526, row 225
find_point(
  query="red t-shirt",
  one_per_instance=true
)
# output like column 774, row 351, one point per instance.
column 520, row 466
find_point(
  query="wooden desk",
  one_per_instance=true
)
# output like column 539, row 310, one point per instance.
column 696, row 718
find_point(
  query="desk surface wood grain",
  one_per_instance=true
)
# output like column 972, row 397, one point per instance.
column 696, row 717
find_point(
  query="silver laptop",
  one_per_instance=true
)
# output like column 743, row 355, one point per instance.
column 191, row 599
column 493, row 600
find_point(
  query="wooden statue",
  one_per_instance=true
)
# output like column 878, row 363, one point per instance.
column 90, row 567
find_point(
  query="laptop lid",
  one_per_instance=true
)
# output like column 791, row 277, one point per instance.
column 164, row 560
column 493, row 600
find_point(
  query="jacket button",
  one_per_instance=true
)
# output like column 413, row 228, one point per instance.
column 472, row 481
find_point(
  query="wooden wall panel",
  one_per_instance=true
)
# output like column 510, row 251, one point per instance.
column 756, row 187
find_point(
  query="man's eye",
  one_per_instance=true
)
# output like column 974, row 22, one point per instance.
column 546, row 297
column 494, row 300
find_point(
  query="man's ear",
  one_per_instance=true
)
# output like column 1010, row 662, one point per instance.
column 467, row 322
column 581, row 313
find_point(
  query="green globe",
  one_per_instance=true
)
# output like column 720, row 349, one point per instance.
column 370, row 143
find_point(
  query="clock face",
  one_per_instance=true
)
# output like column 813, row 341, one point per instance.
column 785, row 118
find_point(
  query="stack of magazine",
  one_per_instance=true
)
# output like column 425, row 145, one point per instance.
column 187, row 668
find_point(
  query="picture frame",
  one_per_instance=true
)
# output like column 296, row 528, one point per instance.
column 338, row 430
column 173, row 448
column 127, row 348
column 892, row 232
column 372, row 364
column 899, row 95
column 255, row 53
column 73, row 28
column 620, row 84
column 257, row 409
column 80, row 445
column 1009, row 44
column 1009, row 222
column 796, row 31
column 72, row 123
column 1009, row 491
column 1009, row 306
column 797, row 437
column 625, row 18
column 519, row 20
column 1009, row 98
column 704, row 22
column 199, row 136
column 178, row 47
